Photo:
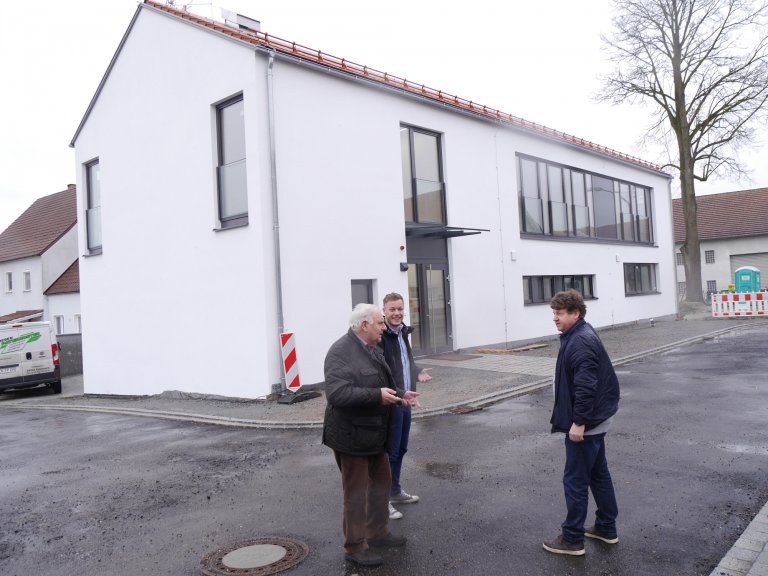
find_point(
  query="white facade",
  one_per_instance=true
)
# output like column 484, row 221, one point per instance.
column 729, row 254
column 174, row 303
column 19, row 297
column 63, row 310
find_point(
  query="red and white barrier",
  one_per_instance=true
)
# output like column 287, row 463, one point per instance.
column 290, row 362
column 741, row 304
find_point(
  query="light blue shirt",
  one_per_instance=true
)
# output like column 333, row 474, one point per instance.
column 403, row 358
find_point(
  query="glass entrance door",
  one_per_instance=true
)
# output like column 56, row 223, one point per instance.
column 429, row 296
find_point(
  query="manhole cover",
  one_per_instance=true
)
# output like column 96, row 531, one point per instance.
column 257, row 557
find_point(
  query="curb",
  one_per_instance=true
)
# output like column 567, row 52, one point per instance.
column 478, row 402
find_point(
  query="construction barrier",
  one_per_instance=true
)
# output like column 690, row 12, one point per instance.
column 740, row 304
column 290, row 362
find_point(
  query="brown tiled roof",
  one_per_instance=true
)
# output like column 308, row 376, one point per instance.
column 727, row 215
column 299, row 52
column 40, row 225
column 25, row 314
column 68, row 282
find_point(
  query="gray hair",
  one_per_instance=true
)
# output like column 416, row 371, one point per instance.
column 363, row 313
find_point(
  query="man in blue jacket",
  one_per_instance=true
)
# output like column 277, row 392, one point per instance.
column 586, row 398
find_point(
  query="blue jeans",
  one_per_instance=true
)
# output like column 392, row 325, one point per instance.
column 587, row 469
column 401, row 428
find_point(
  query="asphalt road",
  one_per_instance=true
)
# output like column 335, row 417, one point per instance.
column 102, row 494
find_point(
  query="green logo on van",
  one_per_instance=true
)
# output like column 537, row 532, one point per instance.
column 15, row 344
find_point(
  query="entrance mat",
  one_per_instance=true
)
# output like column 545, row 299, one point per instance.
column 455, row 357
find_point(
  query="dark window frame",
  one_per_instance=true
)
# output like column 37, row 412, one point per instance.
column 93, row 229
column 414, row 197
column 601, row 215
column 540, row 289
column 365, row 284
column 240, row 218
column 637, row 275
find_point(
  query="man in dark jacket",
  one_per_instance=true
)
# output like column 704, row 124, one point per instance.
column 360, row 392
column 586, row 398
column 397, row 353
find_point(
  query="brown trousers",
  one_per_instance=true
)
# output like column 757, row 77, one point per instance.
column 365, row 481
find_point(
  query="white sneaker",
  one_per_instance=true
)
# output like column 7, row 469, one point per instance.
column 404, row 498
column 394, row 514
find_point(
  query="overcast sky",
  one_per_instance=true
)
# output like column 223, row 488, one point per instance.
column 539, row 61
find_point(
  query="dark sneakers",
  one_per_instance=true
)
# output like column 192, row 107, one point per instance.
column 593, row 532
column 389, row 541
column 560, row 546
column 365, row 558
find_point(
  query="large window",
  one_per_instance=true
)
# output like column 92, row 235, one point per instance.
column 561, row 201
column 93, row 206
column 640, row 279
column 540, row 289
column 231, row 174
column 423, row 187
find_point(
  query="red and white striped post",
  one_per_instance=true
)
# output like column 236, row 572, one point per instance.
column 290, row 362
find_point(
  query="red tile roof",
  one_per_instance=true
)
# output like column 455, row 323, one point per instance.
column 727, row 215
column 40, row 225
column 21, row 314
column 68, row 282
column 342, row 65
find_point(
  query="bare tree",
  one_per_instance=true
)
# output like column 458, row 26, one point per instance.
column 703, row 65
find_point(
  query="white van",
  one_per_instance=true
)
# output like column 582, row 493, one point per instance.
column 29, row 356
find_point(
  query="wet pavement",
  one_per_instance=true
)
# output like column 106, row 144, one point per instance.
column 127, row 495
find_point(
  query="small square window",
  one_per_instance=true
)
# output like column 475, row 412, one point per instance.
column 709, row 256
column 712, row 286
column 362, row 292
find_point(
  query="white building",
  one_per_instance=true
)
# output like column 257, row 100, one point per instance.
column 38, row 264
column 235, row 185
column 733, row 232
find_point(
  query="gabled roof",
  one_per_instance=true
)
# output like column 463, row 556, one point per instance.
column 727, row 215
column 292, row 50
column 68, row 282
column 40, row 225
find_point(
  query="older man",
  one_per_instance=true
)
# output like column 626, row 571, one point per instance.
column 360, row 392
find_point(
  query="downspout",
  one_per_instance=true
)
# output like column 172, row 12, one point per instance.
column 501, row 240
column 275, row 213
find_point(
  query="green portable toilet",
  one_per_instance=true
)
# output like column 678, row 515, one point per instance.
column 747, row 279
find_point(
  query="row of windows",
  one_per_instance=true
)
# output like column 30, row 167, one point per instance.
column 709, row 257
column 26, row 281
column 638, row 279
column 231, row 181
column 561, row 201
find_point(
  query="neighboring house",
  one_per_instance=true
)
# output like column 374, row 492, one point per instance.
column 245, row 185
column 38, row 264
column 733, row 232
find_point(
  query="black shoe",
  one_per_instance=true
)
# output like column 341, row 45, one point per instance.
column 560, row 546
column 365, row 558
column 593, row 532
column 390, row 541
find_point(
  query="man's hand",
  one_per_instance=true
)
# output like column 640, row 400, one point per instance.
column 576, row 433
column 389, row 396
column 424, row 375
column 411, row 399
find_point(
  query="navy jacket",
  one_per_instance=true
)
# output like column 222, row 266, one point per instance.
column 391, row 348
column 586, row 386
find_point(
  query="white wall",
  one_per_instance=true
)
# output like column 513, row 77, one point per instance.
column 720, row 270
column 58, row 257
column 196, row 309
column 19, row 299
column 66, row 305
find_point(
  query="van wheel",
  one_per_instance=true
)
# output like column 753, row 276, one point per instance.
column 56, row 387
